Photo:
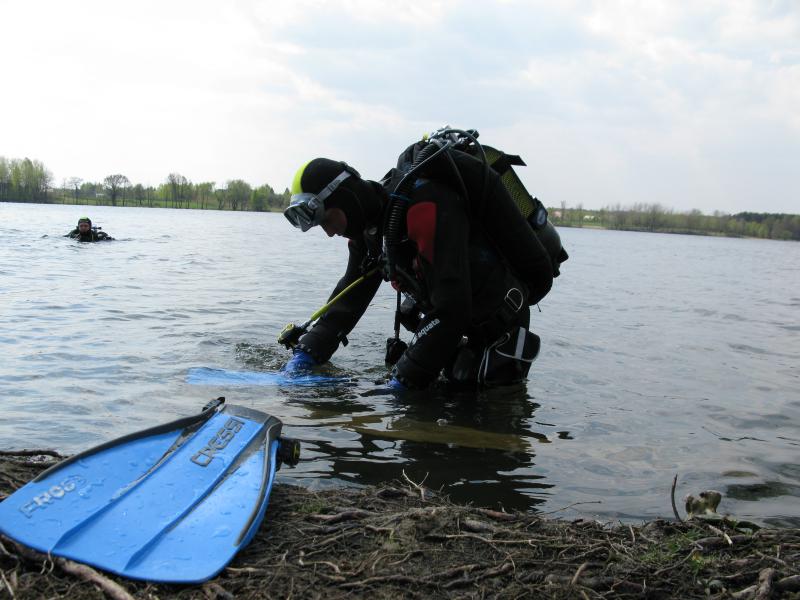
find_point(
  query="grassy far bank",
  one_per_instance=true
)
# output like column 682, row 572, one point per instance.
column 655, row 218
column 195, row 204
column 236, row 195
column 401, row 540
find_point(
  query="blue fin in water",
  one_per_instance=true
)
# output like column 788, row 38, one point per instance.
column 171, row 504
column 206, row 376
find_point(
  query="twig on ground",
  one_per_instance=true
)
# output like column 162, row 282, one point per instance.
column 494, row 572
column 405, row 558
column 346, row 515
column 381, row 579
column 478, row 526
column 677, row 564
column 381, row 557
column 787, row 584
column 765, row 584
column 238, row 570
column 373, row 528
column 497, row 515
column 453, row 536
column 322, row 546
column 588, row 552
column 112, row 588
column 713, row 543
column 550, row 512
column 416, row 485
column 213, row 591
column 333, row 566
column 772, row 558
column 8, row 585
column 449, row 573
column 672, row 498
column 578, row 574
column 5, row 551
column 721, row 533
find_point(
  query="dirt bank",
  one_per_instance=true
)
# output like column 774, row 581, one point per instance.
column 401, row 540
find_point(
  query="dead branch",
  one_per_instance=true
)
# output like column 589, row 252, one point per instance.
column 575, row 577
column 672, row 498
column 333, row 566
column 477, row 526
column 416, row 485
column 9, row 587
column 494, row 572
column 112, row 588
column 765, row 584
column 346, row 515
column 382, row 579
column 497, row 515
column 550, row 512
column 454, row 536
column 214, row 591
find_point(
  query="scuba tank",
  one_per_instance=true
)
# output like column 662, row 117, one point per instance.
column 531, row 207
column 515, row 221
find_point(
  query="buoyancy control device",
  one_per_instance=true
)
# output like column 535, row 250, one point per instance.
column 516, row 221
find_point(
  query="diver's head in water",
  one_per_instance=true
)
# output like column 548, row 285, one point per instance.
column 332, row 194
column 84, row 225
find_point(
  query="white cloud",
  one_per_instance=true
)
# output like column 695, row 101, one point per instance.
column 614, row 101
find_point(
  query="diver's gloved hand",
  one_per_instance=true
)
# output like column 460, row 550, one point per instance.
column 300, row 362
column 395, row 385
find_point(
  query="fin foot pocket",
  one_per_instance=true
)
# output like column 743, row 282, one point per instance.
column 289, row 451
column 213, row 404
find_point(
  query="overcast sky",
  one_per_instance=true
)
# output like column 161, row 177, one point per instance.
column 687, row 104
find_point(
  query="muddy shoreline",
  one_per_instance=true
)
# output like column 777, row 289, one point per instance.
column 402, row 540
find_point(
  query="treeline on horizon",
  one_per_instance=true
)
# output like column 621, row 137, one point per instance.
column 25, row 180
column 656, row 218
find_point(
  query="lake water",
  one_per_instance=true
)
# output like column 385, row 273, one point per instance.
column 661, row 354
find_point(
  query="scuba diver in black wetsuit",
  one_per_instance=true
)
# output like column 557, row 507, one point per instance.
column 84, row 232
column 445, row 231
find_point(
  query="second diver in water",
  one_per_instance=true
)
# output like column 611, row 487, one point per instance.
column 85, row 232
column 446, row 232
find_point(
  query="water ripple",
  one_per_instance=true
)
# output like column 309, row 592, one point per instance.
column 656, row 350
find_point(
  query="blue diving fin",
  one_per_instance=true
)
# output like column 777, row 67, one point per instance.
column 206, row 376
column 169, row 504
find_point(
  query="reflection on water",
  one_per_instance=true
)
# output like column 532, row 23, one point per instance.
column 660, row 355
column 473, row 446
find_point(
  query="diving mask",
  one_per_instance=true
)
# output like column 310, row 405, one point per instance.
column 307, row 210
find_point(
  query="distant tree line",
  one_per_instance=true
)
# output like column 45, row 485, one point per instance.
column 654, row 217
column 29, row 181
column 24, row 180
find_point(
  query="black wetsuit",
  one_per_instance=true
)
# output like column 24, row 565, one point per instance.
column 93, row 235
column 467, row 288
